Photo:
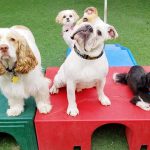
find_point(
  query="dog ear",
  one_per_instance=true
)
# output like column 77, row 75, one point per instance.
column 112, row 33
column 148, row 79
column 143, row 81
column 59, row 17
column 2, row 69
column 26, row 60
column 75, row 15
column 93, row 10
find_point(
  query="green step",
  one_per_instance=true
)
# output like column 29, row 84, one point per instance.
column 21, row 127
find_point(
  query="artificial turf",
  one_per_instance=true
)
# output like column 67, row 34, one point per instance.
column 130, row 18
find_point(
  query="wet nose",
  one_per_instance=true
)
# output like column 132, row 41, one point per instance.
column 88, row 27
column 67, row 19
column 4, row 48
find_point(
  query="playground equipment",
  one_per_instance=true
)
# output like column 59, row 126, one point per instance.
column 57, row 130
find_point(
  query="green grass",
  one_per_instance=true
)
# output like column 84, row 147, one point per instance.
column 130, row 18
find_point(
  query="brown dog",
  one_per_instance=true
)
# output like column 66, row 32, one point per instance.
column 90, row 15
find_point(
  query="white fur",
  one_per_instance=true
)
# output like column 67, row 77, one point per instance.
column 77, row 73
column 115, row 79
column 143, row 105
column 32, row 84
column 67, row 25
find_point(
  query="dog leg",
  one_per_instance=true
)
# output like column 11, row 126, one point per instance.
column 16, row 106
column 101, row 96
column 72, row 106
column 138, row 101
column 42, row 96
column 58, row 82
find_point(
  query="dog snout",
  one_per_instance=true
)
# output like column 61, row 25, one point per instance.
column 4, row 48
column 68, row 19
column 86, row 29
column 89, row 28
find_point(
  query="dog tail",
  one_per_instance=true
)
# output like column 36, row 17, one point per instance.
column 120, row 77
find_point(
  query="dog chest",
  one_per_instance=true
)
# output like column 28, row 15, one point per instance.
column 85, row 85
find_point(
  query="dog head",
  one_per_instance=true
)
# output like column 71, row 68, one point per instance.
column 15, row 51
column 67, row 17
column 90, row 37
column 90, row 14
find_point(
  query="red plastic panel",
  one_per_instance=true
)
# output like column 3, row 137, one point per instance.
column 58, row 131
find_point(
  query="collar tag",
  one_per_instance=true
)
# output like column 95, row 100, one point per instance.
column 15, row 79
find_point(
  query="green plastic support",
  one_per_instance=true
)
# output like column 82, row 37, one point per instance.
column 20, row 127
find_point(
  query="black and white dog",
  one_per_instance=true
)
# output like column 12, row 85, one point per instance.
column 139, row 82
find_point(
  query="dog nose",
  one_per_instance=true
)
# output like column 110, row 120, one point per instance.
column 88, row 27
column 4, row 48
column 67, row 19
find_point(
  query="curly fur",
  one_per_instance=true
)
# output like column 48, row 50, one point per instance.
column 2, row 69
column 23, row 57
column 26, row 60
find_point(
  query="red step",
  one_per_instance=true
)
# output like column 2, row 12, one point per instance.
column 58, row 131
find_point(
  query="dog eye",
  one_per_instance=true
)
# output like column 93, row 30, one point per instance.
column 99, row 32
column 70, row 16
column 12, row 39
column 64, row 16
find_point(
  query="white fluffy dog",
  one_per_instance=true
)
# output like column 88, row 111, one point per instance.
column 20, row 70
column 87, row 65
column 68, row 19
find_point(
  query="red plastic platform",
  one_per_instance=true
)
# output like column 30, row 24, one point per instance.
column 58, row 131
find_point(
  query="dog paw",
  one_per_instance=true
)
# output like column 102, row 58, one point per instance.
column 146, row 108
column 143, row 105
column 44, row 108
column 72, row 111
column 105, row 101
column 15, row 111
column 53, row 90
column 115, row 77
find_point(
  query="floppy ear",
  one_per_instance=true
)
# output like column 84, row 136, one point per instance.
column 111, row 32
column 2, row 69
column 148, row 79
column 59, row 18
column 26, row 60
column 143, row 81
column 75, row 15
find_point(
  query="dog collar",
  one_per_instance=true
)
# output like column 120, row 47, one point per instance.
column 15, row 78
column 84, row 56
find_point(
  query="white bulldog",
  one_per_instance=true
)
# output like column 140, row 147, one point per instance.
column 87, row 65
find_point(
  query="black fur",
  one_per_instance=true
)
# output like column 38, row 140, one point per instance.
column 139, row 82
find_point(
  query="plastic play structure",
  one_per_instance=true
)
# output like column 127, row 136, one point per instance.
column 58, row 131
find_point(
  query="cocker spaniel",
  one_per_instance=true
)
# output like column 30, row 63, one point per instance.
column 20, row 70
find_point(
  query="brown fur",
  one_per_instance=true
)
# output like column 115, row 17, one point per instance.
column 93, row 9
column 26, row 60
column 90, row 18
column 2, row 69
